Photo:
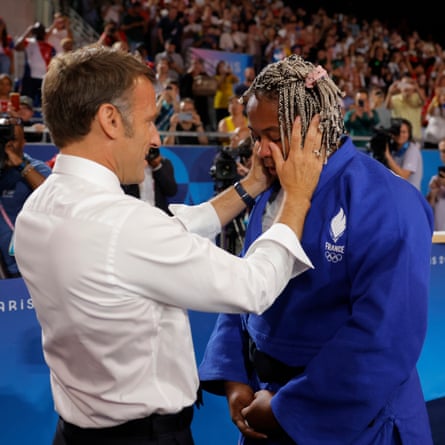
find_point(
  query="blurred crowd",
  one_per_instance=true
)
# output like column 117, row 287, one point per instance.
column 402, row 72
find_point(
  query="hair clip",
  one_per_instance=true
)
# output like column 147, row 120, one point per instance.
column 314, row 76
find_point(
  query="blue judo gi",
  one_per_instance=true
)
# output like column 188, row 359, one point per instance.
column 355, row 325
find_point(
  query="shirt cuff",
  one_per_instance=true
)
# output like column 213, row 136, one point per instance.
column 200, row 219
column 285, row 236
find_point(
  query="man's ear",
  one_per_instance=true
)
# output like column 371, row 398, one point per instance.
column 110, row 120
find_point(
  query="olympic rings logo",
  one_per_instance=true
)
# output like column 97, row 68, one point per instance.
column 333, row 257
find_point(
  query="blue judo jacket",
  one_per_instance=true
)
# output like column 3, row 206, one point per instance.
column 356, row 323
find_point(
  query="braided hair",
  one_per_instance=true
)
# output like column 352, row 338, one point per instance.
column 289, row 81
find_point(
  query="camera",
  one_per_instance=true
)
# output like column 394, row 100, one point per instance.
column 224, row 168
column 153, row 153
column 378, row 143
column 6, row 134
column 185, row 116
column 383, row 137
column 361, row 103
column 245, row 149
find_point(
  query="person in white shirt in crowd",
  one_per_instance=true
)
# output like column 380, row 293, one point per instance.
column 60, row 29
column 435, row 128
column 111, row 277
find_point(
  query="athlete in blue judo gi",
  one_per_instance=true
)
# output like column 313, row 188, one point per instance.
column 333, row 361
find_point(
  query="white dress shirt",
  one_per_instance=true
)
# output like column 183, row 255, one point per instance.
column 111, row 278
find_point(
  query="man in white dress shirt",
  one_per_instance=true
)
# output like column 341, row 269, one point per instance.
column 111, row 277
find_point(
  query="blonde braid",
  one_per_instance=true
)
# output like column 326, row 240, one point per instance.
column 285, row 81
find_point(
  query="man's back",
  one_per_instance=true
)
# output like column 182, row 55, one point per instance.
column 79, row 224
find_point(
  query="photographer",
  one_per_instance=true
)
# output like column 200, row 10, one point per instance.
column 361, row 119
column 403, row 155
column 232, row 163
column 159, row 181
column 396, row 149
column 187, row 119
column 19, row 176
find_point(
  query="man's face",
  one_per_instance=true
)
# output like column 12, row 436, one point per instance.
column 140, row 136
column 264, row 127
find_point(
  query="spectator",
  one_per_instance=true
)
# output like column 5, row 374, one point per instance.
column 361, row 119
column 142, row 54
column 35, row 131
column 405, row 100
column 186, row 119
column 378, row 104
column 19, row 176
column 435, row 128
column 133, row 24
column 202, row 102
column 159, row 182
column 167, row 103
column 403, row 156
column 6, row 87
column 436, row 191
column 60, row 29
column 111, row 34
column 226, row 81
column 6, row 50
column 249, row 76
column 170, row 27
column 236, row 118
column 38, row 54
column 191, row 32
column 174, row 59
column 112, row 11
column 162, row 78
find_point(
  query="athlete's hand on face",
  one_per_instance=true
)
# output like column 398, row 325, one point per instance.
column 258, row 174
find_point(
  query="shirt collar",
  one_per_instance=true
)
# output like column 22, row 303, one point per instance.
column 88, row 171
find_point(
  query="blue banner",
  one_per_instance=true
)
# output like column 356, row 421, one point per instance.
column 191, row 166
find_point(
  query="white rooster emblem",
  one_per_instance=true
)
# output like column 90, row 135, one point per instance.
column 338, row 225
